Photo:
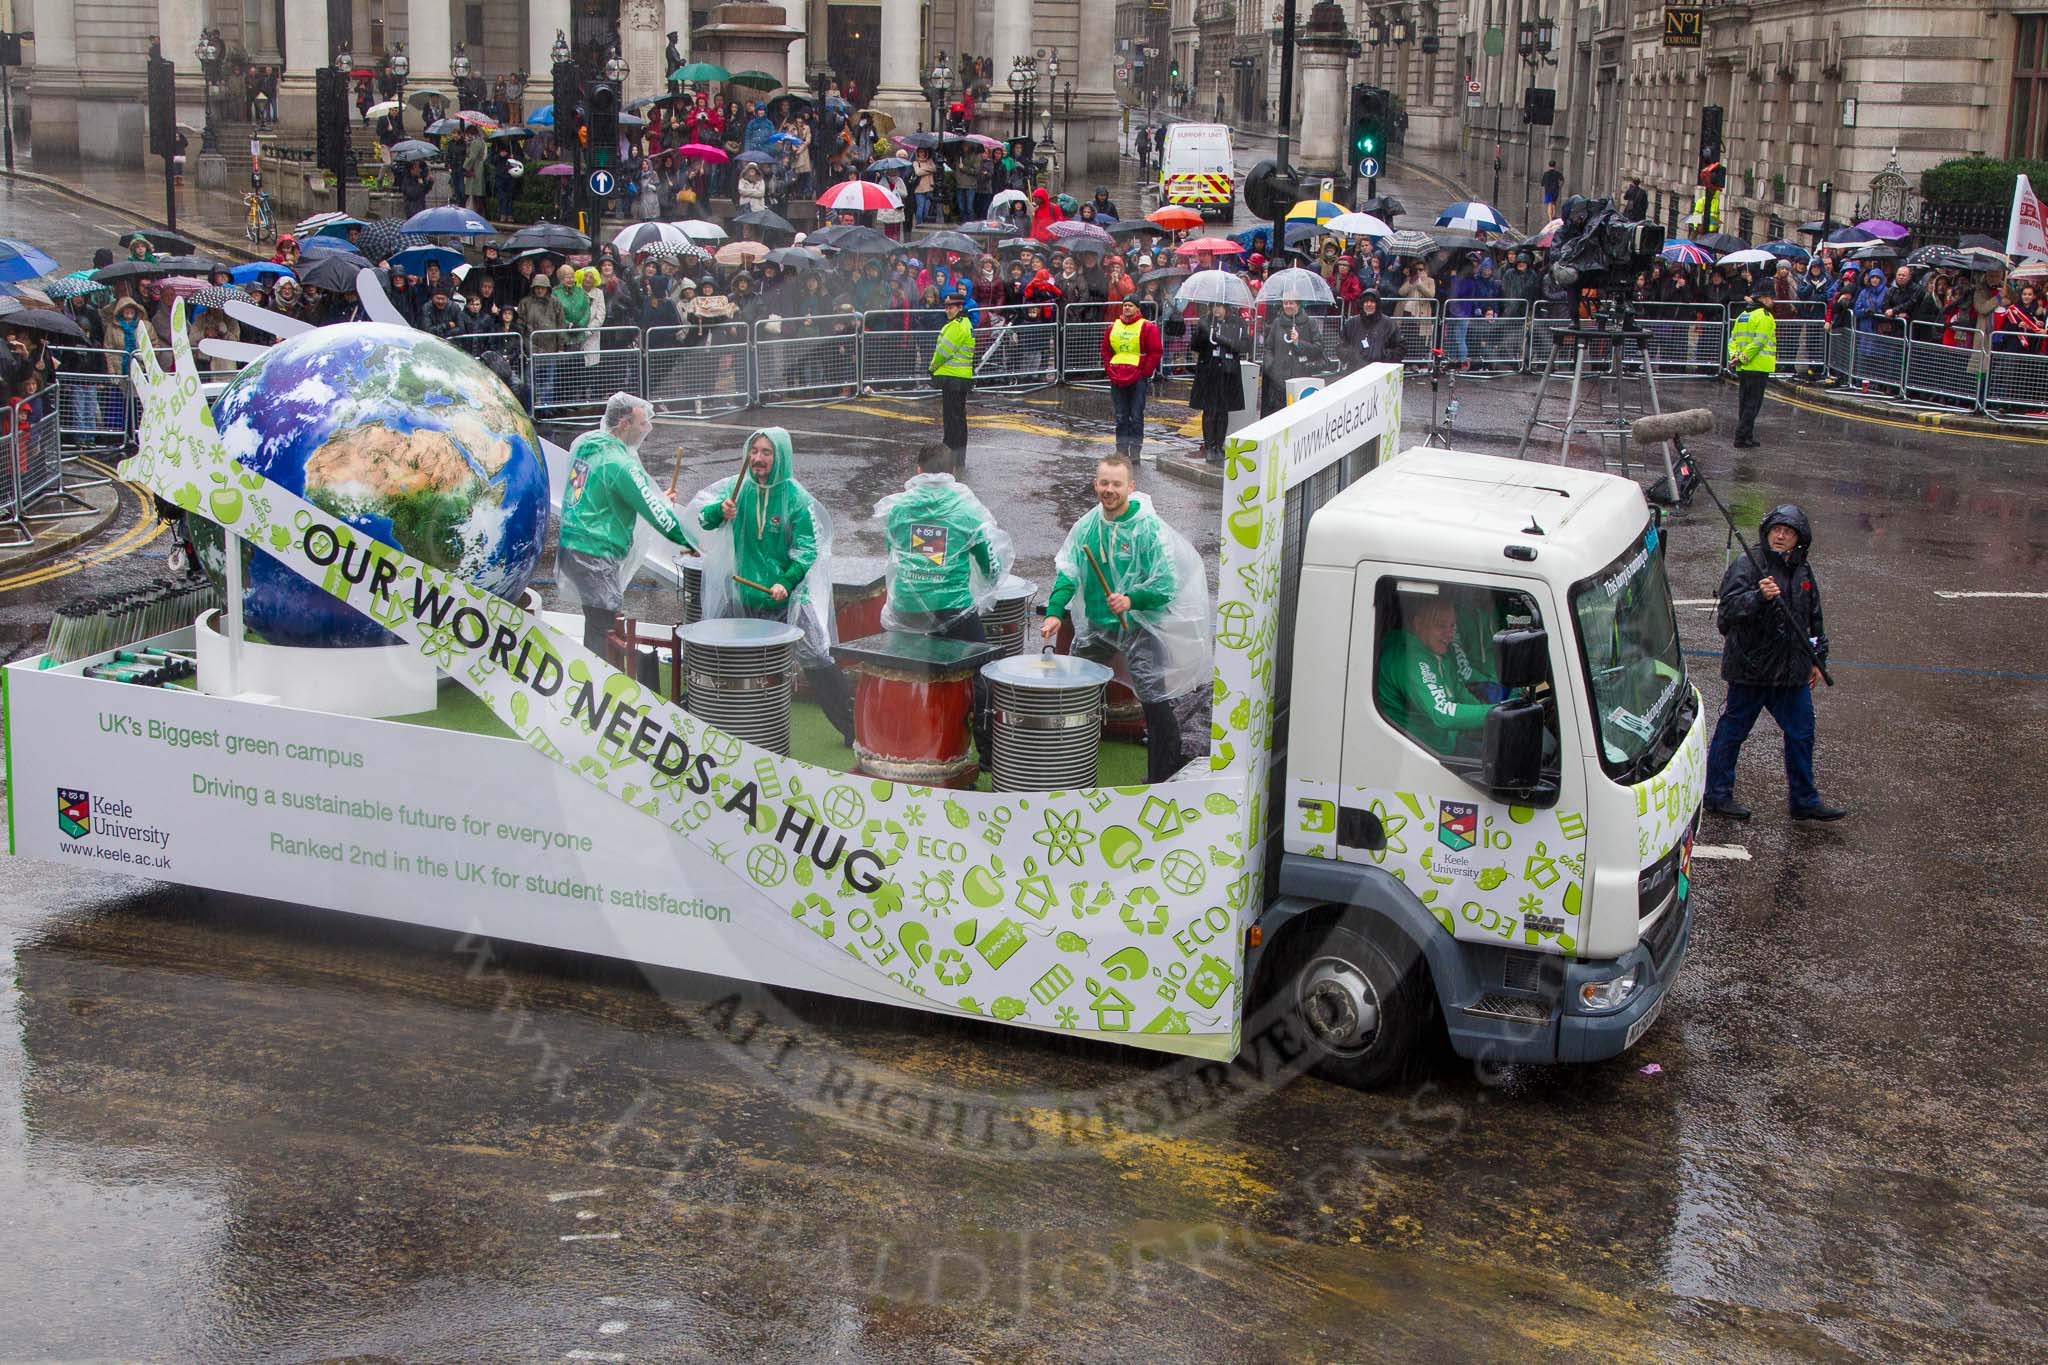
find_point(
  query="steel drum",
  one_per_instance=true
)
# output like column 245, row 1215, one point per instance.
column 739, row 675
column 1046, row 723
column 1007, row 616
column 691, row 589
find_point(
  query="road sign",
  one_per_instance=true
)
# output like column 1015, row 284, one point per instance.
column 1123, row 71
column 1369, row 166
column 1243, row 63
column 1151, row 52
column 1472, row 88
column 602, row 183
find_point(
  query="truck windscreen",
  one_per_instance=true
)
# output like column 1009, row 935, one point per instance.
column 1628, row 637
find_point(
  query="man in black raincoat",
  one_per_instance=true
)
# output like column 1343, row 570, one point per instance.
column 1768, row 666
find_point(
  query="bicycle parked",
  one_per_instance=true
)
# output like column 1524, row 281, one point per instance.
column 262, row 225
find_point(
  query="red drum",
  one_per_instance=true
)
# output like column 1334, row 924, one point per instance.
column 1123, row 715
column 912, row 728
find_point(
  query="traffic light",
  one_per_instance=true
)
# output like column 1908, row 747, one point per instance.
column 1712, row 173
column 602, row 103
column 163, row 108
column 1173, row 73
column 1372, row 118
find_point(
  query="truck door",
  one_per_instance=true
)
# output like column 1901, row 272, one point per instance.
column 1414, row 799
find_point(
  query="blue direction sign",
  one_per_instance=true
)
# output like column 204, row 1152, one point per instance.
column 602, row 183
column 1369, row 166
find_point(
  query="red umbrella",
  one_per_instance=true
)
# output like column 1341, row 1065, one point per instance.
column 698, row 151
column 1215, row 246
column 858, row 196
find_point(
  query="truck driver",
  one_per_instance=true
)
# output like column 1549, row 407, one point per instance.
column 1419, row 688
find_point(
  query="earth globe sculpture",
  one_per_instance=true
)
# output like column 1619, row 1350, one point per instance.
column 403, row 437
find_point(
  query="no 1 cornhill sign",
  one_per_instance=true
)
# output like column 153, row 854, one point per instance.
column 1682, row 25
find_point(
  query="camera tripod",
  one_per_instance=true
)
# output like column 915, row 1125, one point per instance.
column 1442, row 419
column 1619, row 351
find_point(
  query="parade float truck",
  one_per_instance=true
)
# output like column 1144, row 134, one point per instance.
column 1317, row 891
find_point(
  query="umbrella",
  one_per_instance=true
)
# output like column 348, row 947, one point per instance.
column 128, row 270
column 1978, row 239
column 1935, row 257
column 986, row 227
column 46, row 320
column 543, row 117
column 1175, row 218
column 1750, row 256
column 309, row 226
column 888, row 165
column 412, row 149
column 984, row 141
column 27, row 292
column 1017, row 244
column 767, row 220
column 449, row 220
column 697, row 230
column 1314, row 210
column 260, row 270
column 415, row 259
column 361, row 73
column 794, row 257
column 1081, row 235
column 1357, row 225
column 1409, row 242
column 1215, row 246
column 556, row 168
column 189, row 265
column 20, row 261
column 336, row 229
column 790, row 139
column 1215, row 286
column 424, row 95
column 946, row 241
column 669, row 250
column 1686, row 253
column 1721, row 243
column 1383, row 206
column 1300, row 231
column 640, row 236
column 1005, row 199
column 932, row 141
column 1169, row 274
column 757, row 157
column 159, row 240
column 862, row 241
column 69, row 288
column 177, row 286
column 1135, row 227
column 549, row 236
column 1875, row 251
column 1455, row 239
column 1980, row 259
column 1304, row 286
column 1472, row 216
column 860, row 196
column 220, row 296
column 1850, row 236
column 1790, row 251
column 442, row 127
column 381, row 108
column 506, row 134
column 741, row 253
column 335, row 274
column 379, row 239
column 754, row 80
column 700, row 73
column 1885, row 228
column 701, row 151
column 472, row 116
column 1067, row 203
column 885, row 124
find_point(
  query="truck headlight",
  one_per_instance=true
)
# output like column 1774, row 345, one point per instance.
column 1610, row 994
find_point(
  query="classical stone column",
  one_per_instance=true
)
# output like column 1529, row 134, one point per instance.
column 1092, row 142
column 544, row 18
column 901, row 92
column 1009, row 38
column 54, row 84
column 642, row 42
column 428, row 45
column 306, row 50
column 1319, row 58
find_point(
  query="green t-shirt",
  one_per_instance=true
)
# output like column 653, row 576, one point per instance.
column 607, row 491
column 1420, row 692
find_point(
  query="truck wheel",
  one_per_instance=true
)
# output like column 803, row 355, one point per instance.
column 1361, row 1008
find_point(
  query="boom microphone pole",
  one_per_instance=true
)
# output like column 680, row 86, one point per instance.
column 1668, row 428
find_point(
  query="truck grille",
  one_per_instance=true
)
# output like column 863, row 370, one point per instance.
column 1509, row 1007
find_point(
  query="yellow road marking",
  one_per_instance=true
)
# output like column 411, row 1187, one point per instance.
column 134, row 538
column 1000, row 423
column 1930, row 421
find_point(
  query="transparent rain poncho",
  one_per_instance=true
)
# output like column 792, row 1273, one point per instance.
column 1141, row 556
column 946, row 553
column 772, row 529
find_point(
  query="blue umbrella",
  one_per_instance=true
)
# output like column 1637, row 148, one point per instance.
column 1789, row 251
column 321, row 245
column 415, row 259
column 448, row 219
column 20, row 261
column 1472, row 216
column 337, row 227
column 258, row 270
column 543, row 117
column 790, row 138
column 888, row 164
column 758, row 157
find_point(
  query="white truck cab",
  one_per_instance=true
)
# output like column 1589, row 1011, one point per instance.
column 1198, row 167
column 1493, row 767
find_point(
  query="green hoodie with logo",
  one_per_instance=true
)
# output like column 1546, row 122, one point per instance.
column 773, row 538
column 606, row 493
column 1420, row 692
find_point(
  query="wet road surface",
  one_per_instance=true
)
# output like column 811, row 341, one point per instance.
column 233, row 1130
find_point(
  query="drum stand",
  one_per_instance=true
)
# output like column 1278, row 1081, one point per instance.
column 1596, row 405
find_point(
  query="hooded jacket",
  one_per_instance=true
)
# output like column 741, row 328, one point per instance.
column 1759, row 646
column 1044, row 213
column 607, row 493
column 773, row 537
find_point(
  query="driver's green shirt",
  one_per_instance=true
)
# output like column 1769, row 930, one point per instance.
column 1420, row 692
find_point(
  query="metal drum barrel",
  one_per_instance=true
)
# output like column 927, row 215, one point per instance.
column 1008, row 613
column 692, row 567
column 738, row 674
column 1046, row 722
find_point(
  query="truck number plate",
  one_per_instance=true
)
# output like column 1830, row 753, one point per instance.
column 1642, row 1025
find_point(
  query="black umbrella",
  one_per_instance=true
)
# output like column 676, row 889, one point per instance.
column 828, row 236
column 1721, row 243
column 413, row 150
column 1384, row 207
column 1163, row 276
column 1132, row 227
column 794, row 257
column 1876, row 251
column 1934, row 258
column 551, row 236
column 334, row 272
column 220, row 296
column 1978, row 239
column 45, row 320
column 506, row 134
column 950, row 142
column 767, row 220
column 1449, row 239
column 159, row 240
column 189, row 265
column 862, row 241
column 945, row 241
column 131, row 270
column 986, row 228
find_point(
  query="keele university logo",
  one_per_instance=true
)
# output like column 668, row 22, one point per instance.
column 1457, row 825
column 74, row 812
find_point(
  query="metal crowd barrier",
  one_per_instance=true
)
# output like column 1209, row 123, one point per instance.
column 896, row 359
column 1871, row 360
column 1016, row 351
column 2016, row 390
column 97, row 406
column 1497, row 343
column 1417, row 321
column 807, row 359
column 33, row 431
column 580, row 375
column 1686, row 338
column 1802, row 338
column 700, row 370
column 1082, row 326
column 511, row 345
column 1936, row 373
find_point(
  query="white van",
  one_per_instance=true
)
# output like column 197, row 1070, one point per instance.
column 1198, row 167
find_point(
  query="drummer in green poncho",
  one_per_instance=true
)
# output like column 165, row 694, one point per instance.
column 1144, row 597
column 607, row 494
column 773, row 543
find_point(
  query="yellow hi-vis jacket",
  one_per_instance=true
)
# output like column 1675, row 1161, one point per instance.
column 1753, row 341
column 953, row 357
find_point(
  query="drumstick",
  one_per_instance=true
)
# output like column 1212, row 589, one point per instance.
column 750, row 583
column 1090, row 552
column 676, row 472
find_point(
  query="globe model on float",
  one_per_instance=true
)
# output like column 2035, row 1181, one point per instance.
column 404, row 438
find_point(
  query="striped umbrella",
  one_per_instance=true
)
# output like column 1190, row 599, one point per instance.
column 1074, row 233
column 1409, row 242
column 1472, row 216
column 1314, row 210
column 858, row 196
column 1686, row 253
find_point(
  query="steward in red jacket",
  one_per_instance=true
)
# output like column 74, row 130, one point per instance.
column 1131, row 348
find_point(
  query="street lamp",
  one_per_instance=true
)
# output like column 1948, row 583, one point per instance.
column 458, row 67
column 344, row 61
column 615, row 68
column 208, row 53
column 938, row 84
column 560, row 51
column 1019, row 79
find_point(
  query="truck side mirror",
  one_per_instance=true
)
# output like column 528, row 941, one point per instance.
column 1521, row 657
column 1512, row 753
